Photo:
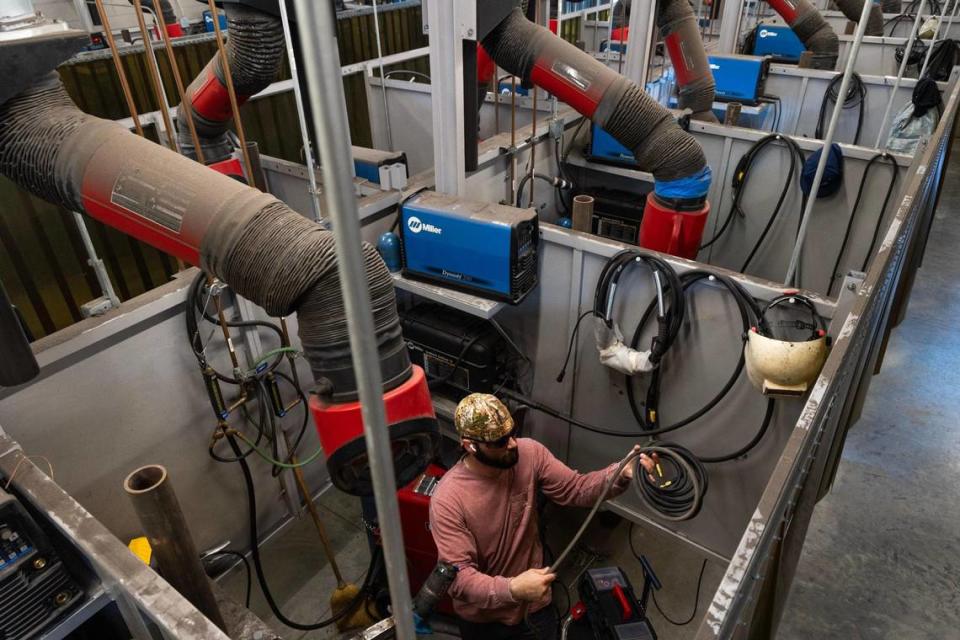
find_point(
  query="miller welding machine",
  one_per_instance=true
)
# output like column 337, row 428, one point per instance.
column 489, row 250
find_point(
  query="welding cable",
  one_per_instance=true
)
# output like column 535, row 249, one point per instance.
column 648, row 418
column 670, row 313
column 196, row 304
column 675, row 497
column 696, row 598
column 856, row 97
column 676, row 491
column 356, row 601
column 741, row 176
column 835, row 274
column 557, row 182
column 246, row 563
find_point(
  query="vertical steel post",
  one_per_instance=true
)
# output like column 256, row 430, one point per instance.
column 316, row 23
column 903, row 67
column 383, row 78
column 730, row 26
column 828, row 141
column 301, row 115
column 642, row 39
column 99, row 269
column 446, row 95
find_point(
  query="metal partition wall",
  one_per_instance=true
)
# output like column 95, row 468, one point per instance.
column 896, row 25
column 723, row 146
column 695, row 369
column 753, row 591
column 877, row 55
column 801, row 93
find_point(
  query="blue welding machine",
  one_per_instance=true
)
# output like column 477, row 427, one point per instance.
column 739, row 78
column 777, row 41
column 605, row 148
column 375, row 164
column 489, row 250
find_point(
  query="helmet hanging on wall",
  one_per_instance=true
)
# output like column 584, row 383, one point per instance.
column 786, row 367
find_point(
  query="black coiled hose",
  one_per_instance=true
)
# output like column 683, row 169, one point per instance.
column 740, row 178
column 856, row 97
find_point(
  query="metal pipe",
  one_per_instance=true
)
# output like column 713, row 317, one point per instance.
column 301, row 115
column 730, row 26
column 933, row 40
column 178, row 81
column 158, row 510
column 99, row 268
column 124, row 83
column 903, row 68
column 318, row 33
column 828, row 141
column 155, row 78
column 228, row 80
column 582, row 212
column 383, row 80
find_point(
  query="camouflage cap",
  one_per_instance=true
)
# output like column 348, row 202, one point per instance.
column 481, row 416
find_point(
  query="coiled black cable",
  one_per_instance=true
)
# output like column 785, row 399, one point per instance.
column 741, row 176
column 677, row 489
column 856, row 97
column 835, row 275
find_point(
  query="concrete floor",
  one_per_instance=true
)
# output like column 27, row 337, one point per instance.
column 882, row 556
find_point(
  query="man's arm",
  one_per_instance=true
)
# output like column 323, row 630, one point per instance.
column 566, row 487
column 457, row 546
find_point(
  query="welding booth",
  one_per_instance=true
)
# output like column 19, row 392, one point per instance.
column 526, row 186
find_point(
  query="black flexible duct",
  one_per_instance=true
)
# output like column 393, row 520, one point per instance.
column 255, row 50
column 267, row 252
column 695, row 85
column 853, row 8
column 166, row 10
column 619, row 106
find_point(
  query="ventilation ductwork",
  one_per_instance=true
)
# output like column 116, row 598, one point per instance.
column 267, row 252
column 853, row 8
column 255, row 49
column 812, row 30
column 695, row 86
column 619, row 106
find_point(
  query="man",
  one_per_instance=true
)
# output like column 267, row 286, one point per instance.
column 484, row 520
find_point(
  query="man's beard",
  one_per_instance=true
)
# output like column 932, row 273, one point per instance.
column 508, row 460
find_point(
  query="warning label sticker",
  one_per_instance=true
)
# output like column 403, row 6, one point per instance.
column 148, row 193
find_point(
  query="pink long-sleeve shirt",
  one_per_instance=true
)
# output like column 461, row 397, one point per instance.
column 487, row 527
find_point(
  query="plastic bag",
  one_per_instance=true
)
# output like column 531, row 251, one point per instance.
column 908, row 130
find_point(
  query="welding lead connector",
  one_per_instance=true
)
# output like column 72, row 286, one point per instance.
column 215, row 394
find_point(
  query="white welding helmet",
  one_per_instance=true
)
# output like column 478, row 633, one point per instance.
column 786, row 367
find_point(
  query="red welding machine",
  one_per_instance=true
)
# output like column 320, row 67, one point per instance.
column 414, row 501
column 414, row 435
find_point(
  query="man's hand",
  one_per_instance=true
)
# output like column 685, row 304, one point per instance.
column 532, row 585
column 649, row 464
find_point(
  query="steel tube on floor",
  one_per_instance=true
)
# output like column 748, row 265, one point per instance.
column 828, row 141
column 316, row 23
column 159, row 513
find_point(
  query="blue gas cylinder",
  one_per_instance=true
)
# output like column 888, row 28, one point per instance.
column 388, row 246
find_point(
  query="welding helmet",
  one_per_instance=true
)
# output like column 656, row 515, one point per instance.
column 786, row 367
column 482, row 417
